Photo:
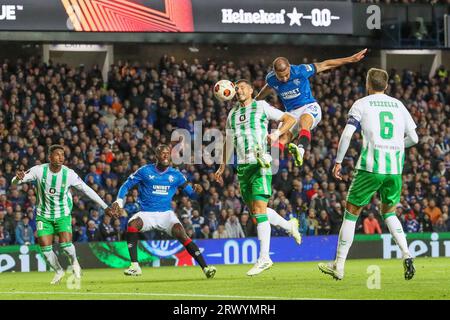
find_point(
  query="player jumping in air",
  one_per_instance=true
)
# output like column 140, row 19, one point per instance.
column 247, row 125
column 291, row 84
column 387, row 129
column 158, row 184
column 54, row 207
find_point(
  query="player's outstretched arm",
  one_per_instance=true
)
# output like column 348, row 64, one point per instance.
column 192, row 192
column 334, row 63
column 265, row 91
column 411, row 139
column 132, row 180
column 344, row 143
column 288, row 122
column 91, row 194
column 24, row 177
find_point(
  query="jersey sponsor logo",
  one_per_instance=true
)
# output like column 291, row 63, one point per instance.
column 291, row 94
column 161, row 190
column 52, row 190
column 242, row 117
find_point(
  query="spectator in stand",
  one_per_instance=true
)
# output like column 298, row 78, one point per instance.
column 324, row 225
column 5, row 238
column 433, row 212
column 233, row 227
column 336, row 217
column 440, row 225
column 411, row 223
column 119, row 231
column 205, row 232
column 371, row 225
column 107, row 231
column 312, row 223
column 197, row 221
column 248, row 227
column 220, row 233
column 92, row 232
column 24, row 232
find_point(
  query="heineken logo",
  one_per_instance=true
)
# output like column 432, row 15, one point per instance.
column 242, row 117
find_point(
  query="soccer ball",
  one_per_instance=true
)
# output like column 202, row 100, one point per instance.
column 224, row 90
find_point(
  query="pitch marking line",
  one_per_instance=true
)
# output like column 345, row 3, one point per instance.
column 156, row 295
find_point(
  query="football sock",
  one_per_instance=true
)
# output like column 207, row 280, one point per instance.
column 69, row 249
column 276, row 220
column 132, row 240
column 304, row 140
column 396, row 230
column 194, row 251
column 345, row 240
column 51, row 258
column 263, row 229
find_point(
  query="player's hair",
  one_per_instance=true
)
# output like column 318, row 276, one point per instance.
column 280, row 64
column 161, row 147
column 55, row 147
column 243, row 81
column 377, row 79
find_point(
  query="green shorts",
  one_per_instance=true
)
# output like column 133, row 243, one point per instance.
column 255, row 182
column 47, row 227
column 365, row 184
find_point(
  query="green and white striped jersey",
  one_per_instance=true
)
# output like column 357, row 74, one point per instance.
column 384, row 122
column 54, row 198
column 249, row 126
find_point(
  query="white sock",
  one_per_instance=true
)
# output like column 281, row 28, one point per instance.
column 52, row 260
column 264, row 238
column 345, row 240
column 276, row 220
column 135, row 264
column 70, row 251
column 302, row 150
column 395, row 228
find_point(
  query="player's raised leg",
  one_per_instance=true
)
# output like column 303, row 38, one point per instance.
column 45, row 243
column 290, row 226
column 133, row 229
column 259, row 209
column 390, row 193
column 65, row 240
column 180, row 234
column 345, row 240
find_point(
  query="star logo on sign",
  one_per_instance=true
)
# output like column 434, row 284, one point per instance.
column 295, row 17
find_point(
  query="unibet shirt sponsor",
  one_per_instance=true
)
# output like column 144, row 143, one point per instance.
column 54, row 198
column 384, row 121
column 249, row 127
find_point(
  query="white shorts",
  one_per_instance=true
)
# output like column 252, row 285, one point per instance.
column 313, row 109
column 163, row 221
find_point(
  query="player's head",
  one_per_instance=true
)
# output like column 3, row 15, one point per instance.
column 377, row 80
column 244, row 90
column 163, row 155
column 56, row 155
column 282, row 69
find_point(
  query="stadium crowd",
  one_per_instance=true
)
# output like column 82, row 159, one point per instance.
column 110, row 129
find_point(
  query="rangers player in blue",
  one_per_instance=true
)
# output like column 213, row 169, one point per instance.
column 291, row 84
column 157, row 184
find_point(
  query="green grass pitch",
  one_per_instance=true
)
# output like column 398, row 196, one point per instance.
column 283, row 281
